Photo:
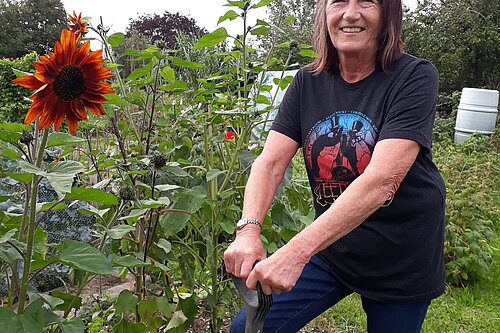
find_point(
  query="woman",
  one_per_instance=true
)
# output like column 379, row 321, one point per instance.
column 363, row 114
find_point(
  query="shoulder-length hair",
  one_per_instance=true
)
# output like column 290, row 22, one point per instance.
column 390, row 42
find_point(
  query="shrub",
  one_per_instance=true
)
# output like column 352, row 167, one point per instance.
column 471, row 172
column 13, row 102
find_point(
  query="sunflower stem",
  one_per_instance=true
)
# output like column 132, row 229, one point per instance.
column 31, row 226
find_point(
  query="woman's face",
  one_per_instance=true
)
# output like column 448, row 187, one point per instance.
column 354, row 25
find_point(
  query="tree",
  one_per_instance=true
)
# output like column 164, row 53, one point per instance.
column 163, row 28
column 297, row 30
column 30, row 25
column 460, row 37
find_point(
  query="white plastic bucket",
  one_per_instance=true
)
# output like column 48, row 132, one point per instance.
column 477, row 112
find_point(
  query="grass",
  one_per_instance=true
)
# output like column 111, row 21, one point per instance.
column 473, row 309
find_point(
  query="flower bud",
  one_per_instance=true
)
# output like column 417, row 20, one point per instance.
column 26, row 138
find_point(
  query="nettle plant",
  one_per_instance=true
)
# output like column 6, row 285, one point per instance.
column 163, row 162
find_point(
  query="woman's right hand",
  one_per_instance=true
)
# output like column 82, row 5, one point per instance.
column 244, row 251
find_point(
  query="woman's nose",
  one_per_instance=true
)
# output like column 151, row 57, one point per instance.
column 351, row 11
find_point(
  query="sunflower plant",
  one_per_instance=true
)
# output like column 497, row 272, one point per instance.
column 169, row 160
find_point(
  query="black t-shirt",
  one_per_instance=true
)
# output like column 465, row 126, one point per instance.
column 396, row 254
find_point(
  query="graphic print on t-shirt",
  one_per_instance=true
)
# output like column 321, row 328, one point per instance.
column 337, row 149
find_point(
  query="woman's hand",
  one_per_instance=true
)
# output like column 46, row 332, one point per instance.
column 279, row 272
column 244, row 251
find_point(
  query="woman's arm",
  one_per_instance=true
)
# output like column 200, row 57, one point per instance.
column 391, row 160
column 265, row 176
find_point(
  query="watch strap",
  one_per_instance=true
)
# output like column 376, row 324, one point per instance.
column 243, row 222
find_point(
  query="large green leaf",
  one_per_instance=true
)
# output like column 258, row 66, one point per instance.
column 128, row 261
column 168, row 74
column 9, row 321
column 126, row 302
column 21, row 177
column 7, row 236
column 15, row 127
column 230, row 15
column 189, row 64
column 120, row 231
column 114, row 99
column 125, row 327
column 11, row 137
column 138, row 73
column 67, row 167
column 262, row 3
column 92, row 195
column 212, row 39
column 116, row 39
column 74, row 325
column 60, row 139
column 173, row 222
column 178, row 318
column 84, row 256
column 147, row 308
column 67, row 298
column 214, row 173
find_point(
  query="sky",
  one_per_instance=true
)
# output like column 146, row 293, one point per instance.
column 116, row 13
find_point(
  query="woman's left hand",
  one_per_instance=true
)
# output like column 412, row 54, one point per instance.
column 277, row 273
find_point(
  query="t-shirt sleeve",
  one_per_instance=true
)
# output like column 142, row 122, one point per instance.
column 411, row 114
column 287, row 120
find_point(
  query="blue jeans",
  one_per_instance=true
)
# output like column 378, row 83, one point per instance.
column 316, row 291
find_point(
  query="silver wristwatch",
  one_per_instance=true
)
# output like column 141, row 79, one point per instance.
column 243, row 222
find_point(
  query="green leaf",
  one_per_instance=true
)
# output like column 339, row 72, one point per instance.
column 67, row 298
column 60, row 139
column 114, row 99
column 4, row 198
column 10, row 254
column 74, row 325
column 178, row 318
column 262, row 3
column 168, row 74
column 120, row 231
column 10, row 321
column 212, row 39
column 164, row 245
column 125, row 327
column 147, row 308
column 164, row 306
column 166, row 187
column 15, row 127
column 260, row 31
column 84, row 256
column 10, row 154
column 92, row 195
column 67, row 167
column 25, row 178
column 44, row 206
column 261, row 99
column 214, row 173
column 116, row 39
column 307, row 53
column 138, row 73
column 179, row 62
column 127, row 261
column 239, row 4
column 173, row 222
column 289, row 19
column 126, row 302
column 94, row 211
column 230, row 15
column 281, row 217
column 35, row 317
column 52, row 301
column 11, row 137
column 7, row 236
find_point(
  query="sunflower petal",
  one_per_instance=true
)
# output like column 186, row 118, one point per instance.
column 29, row 82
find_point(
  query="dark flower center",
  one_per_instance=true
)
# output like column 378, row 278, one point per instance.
column 70, row 83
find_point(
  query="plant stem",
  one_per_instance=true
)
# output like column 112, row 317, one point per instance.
column 31, row 226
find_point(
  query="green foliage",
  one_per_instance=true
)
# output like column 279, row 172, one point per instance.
column 30, row 25
column 13, row 98
column 472, row 174
column 460, row 37
column 294, row 21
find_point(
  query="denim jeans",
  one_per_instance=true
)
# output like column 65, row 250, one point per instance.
column 316, row 291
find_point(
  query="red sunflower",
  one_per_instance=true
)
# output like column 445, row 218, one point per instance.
column 78, row 27
column 68, row 81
